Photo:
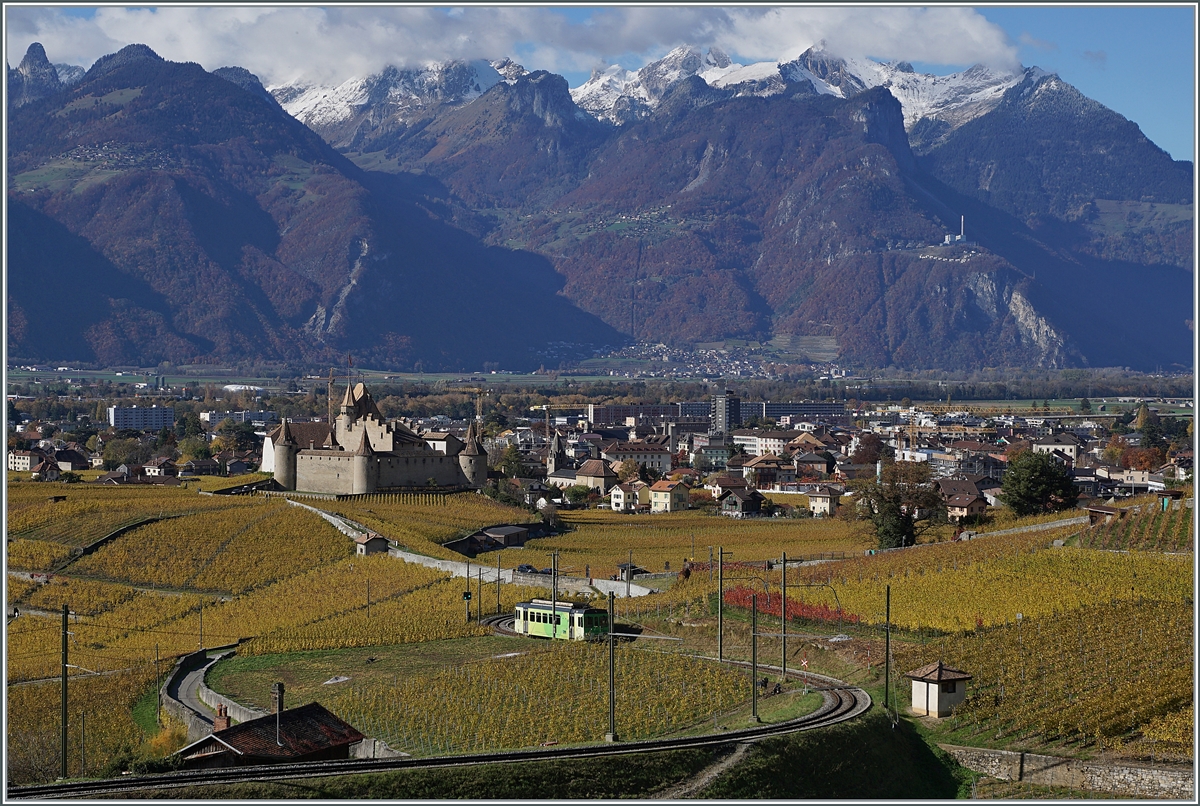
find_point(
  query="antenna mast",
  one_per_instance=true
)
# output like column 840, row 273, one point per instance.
column 329, row 402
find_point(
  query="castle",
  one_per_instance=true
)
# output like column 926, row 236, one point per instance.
column 364, row 453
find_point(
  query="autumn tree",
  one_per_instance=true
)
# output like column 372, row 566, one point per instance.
column 1142, row 458
column 902, row 505
column 629, row 470
column 870, row 449
column 510, row 461
column 1116, row 446
column 1034, row 484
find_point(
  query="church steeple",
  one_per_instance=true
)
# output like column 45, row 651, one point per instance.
column 556, row 457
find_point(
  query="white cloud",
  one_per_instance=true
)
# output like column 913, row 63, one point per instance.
column 334, row 43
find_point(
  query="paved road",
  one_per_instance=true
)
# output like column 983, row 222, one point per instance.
column 186, row 689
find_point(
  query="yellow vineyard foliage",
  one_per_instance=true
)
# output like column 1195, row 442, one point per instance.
column 35, row 555
column 1093, row 675
column 601, row 540
column 555, row 693
column 83, row 596
column 1177, row 729
column 91, row 512
column 19, row 588
column 104, row 703
column 231, row 550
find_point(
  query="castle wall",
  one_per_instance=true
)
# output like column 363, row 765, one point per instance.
column 325, row 472
column 415, row 471
column 334, row 472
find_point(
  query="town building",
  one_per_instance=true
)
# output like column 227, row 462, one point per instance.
column 669, row 496
column 824, row 501
column 596, row 474
column 141, row 418
column 630, row 496
column 725, row 414
column 650, row 455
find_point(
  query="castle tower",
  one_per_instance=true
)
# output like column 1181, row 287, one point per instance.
column 285, row 458
column 363, row 480
column 473, row 459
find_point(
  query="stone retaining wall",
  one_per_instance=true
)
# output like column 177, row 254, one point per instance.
column 1135, row 780
column 237, row 712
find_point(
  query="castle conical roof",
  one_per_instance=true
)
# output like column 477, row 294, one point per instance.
column 285, row 434
column 364, row 447
column 473, row 446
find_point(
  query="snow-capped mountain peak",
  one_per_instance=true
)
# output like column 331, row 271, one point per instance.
column 613, row 92
column 403, row 94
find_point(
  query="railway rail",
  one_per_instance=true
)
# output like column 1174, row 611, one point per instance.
column 841, row 702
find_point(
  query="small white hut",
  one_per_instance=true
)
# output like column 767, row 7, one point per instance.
column 371, row 543
column 937, row 688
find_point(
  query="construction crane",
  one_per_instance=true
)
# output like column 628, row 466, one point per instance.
column 991, row 411
column 480, row 394
column 548, row 406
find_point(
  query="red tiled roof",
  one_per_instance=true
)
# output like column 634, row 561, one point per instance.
column 303, row 731
column 304, row 434
column 595, row 468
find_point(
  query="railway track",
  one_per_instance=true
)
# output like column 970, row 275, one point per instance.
column 841, row 702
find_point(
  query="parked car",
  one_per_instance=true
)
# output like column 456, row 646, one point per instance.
column 526, row 569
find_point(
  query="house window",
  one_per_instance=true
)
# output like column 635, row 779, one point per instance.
column 948, row 687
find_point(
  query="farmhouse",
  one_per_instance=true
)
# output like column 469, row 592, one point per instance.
column 308, row 733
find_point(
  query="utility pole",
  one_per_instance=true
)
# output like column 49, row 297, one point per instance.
column 201, row 625
column 754, row 657
column 721, row 604
column 63, row 765
column 479, row 594
column 497, row 583
column 157, row 690
column 628, row 574
column 783, row 621
column 611, row 736
column 554, row 592
column 467, row 591
column 887, row 649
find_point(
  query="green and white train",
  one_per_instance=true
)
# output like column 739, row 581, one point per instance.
column 571, row 621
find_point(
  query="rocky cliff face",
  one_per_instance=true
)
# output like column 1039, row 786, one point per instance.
column 33, row 79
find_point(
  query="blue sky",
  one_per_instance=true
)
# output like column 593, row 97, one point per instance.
column 1137, row 60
